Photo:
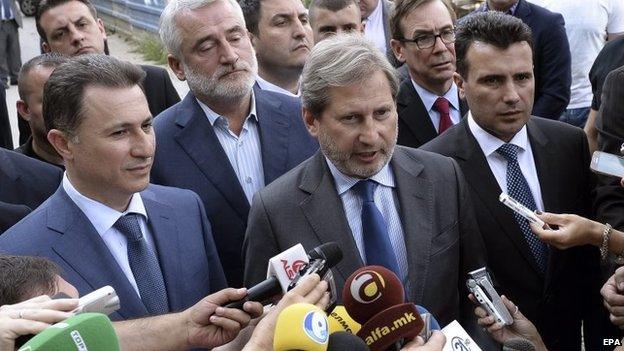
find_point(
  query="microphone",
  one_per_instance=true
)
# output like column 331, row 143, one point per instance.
column 86, row 331
column 340, row 321
column 430, row 323
column 341, row 341
column 518, row 344
column 286, row 268
column 301, row 326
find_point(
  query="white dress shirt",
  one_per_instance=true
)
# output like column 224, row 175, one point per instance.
column 498, row 164
column 385, row 202
column 243, row 151
column 428, row 98
column 266, row 85
column 374, row 30
column 103, row 218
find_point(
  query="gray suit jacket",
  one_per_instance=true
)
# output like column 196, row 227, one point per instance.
column 17, row 13
column 441, row 236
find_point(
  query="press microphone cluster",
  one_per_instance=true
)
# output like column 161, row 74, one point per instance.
column 287, row 268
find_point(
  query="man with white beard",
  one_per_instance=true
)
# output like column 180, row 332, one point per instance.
column 225, row 140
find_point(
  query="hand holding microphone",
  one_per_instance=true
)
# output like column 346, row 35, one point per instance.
column 613, row 294
column 435, row 343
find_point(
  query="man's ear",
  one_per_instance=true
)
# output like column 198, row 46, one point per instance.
column 23, row 110
column 46, row 47
column 61, row 143
column 253, row 38
column 310, row 122
column 397, row 49
column 176, row 66
column 101, row 27
column 459, row 81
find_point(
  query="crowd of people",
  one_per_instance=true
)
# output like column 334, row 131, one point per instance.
column 388, row 127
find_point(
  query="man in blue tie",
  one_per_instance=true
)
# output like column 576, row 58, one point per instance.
column 10, row 59
column 543, row 164
column 387, row 205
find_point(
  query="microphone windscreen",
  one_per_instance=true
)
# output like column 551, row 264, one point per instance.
column 329, row 252
column 518, row 344
column 344, row 341
column 339, row 321
column 370, row 290
column 86, row 331
column 301, row 326
column 391, row 325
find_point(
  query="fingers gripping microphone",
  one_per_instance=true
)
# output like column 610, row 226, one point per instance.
column 87, row 331
column 301, row 326
column 286, row 269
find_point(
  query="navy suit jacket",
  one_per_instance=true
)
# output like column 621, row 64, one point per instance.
column 189, row 155
column 6, row 140
column 551, row 59
column 60, row 231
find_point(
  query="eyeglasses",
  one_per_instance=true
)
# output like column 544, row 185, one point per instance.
column 428, row 41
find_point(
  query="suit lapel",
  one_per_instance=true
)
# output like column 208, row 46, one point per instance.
column 414, row 114
column 415, row 203
column 82, row 248
column 475, row 167
column 200, row 142
column 273, row 136
column 321, row 209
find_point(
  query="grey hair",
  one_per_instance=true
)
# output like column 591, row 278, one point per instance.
column 168, row 29
column 340, row 61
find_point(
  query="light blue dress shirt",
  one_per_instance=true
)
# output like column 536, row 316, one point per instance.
column 428, row 98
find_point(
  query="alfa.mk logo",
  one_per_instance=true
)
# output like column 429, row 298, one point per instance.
column 367, row 287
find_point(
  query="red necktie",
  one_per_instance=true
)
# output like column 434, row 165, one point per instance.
column 442, row 106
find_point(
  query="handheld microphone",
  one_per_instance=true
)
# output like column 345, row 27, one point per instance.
column 341, row 341
column 284, row 268
column 86, row 331
column 301, row 326
column 518, row 345
column 340, row 321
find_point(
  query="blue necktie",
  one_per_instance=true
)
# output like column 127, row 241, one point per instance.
column 144, row 266
column 377, row 246
column 6, row 6
column 518, row 188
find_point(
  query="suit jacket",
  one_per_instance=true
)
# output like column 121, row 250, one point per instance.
column 441, row 238
column 386, row 12
column 17, row 13
column 60, row 231
column 26, row 181
column 415, row 126
column 189, row 155
column 11, row 214
column 158, row 89
column 6, row 139
column 554, row 302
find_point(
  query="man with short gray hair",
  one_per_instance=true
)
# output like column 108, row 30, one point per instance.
column 226, row 139
column 388, row 205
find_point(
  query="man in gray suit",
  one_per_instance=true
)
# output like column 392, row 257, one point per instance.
column 10, row 21
column 364, row 192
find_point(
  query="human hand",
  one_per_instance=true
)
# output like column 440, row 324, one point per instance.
column 435, row 343
column 31, row 317
column 612, row 293
column 210, row 325
column 572, row 230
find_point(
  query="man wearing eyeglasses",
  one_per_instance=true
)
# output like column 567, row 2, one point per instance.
column 423, row 37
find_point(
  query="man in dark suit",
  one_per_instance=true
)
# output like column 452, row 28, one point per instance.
column 106, row 225
column 428, row 103
column 424, row 228
column 225, row 140
column 500, row 147
column 551, row 54
column 24, row 184
column 6, row 139
column 10, row 61
column 72, row 27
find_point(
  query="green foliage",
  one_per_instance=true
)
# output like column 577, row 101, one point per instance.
column 151, row 48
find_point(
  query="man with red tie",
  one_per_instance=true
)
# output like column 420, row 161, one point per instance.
column 423, row 37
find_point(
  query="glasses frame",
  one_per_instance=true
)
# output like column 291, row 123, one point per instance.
column 435, row 39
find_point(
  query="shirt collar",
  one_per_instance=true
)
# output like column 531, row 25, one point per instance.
column 101, row 216
column 511, row 11
column 489, row 143
column 428, row 98
column 376, row 15
column 213, row 116
column 344, row 182
column 266, row 85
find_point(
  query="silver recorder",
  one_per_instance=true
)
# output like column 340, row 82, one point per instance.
column 480, row 285
column 103, row 300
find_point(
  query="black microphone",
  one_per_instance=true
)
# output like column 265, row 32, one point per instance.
column 518, row 345
column 321, row 258
column 340, row 341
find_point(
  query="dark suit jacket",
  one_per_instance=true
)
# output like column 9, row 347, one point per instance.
column 6, row 140
column 11, row 214
column 556, row 302
column 158, row 89
column 441, row 238
column 415, row 127
column 189, row 155
column 60, row 231
column 551, row 59
column 25, row 181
